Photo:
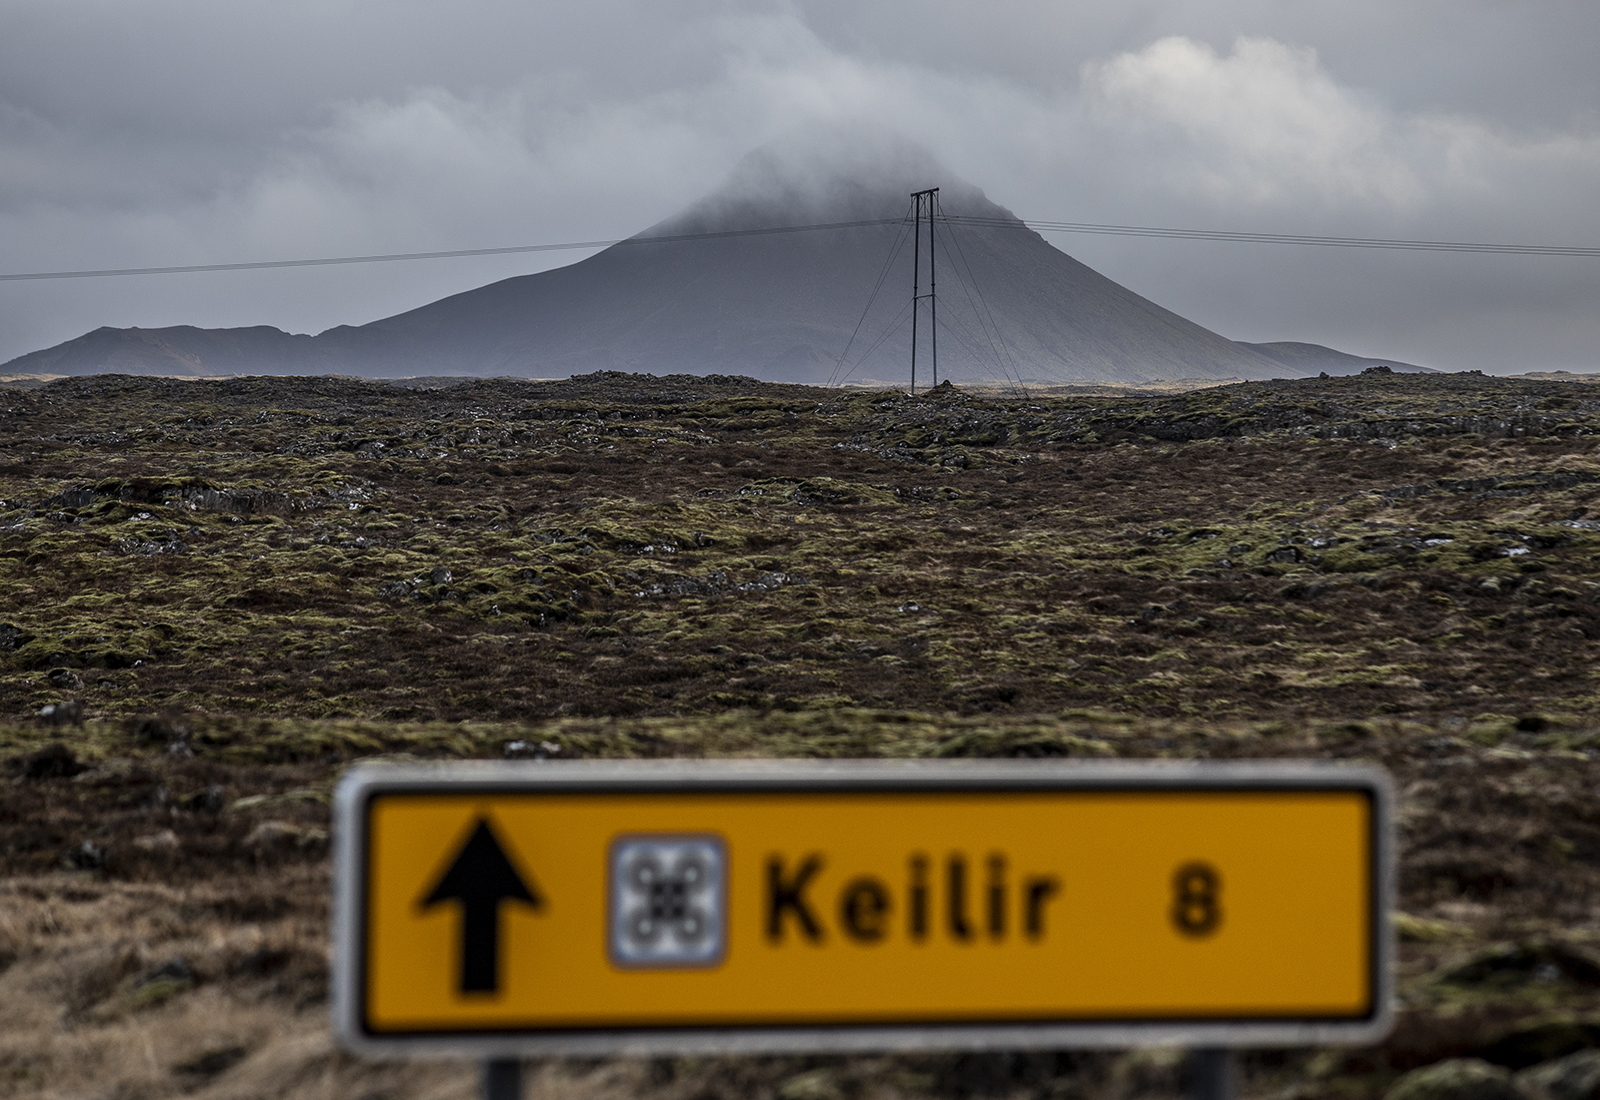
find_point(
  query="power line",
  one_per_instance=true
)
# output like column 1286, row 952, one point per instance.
column 894, row 251
column 257, row 265
column 992, row 323
column 1282, row 238
column 324, row 261
column 898, row 323
column 1237, row 237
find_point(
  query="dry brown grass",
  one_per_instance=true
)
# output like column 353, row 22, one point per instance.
column 1500, row 846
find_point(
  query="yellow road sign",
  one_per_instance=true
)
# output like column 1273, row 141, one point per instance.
column 575, row 907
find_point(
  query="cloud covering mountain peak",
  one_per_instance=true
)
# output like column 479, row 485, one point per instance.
column 823, row 174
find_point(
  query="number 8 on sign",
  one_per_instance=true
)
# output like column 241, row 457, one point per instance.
column 1195, row 909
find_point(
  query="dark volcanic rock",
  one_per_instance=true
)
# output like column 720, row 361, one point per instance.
column 1456, row 1079
column 66, row 713
column 1542, row 1042
column 54, row 761
column 1519, row 964
column 1575, row 1077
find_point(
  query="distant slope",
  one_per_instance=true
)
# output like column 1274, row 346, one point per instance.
column 1316, row 359
column 779, row 306
column 180, row 350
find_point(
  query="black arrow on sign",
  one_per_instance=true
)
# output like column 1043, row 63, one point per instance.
column 480, row 878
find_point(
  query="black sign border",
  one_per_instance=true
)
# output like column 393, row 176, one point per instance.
column 363, row 784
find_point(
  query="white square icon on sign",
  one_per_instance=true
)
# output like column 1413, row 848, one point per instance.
column 667, row 900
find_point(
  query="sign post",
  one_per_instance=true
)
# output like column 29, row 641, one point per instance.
column 1211, row 1073
column 502, row 1079
column 506, row 910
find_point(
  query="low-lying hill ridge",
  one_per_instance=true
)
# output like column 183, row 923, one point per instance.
column 1318, row 359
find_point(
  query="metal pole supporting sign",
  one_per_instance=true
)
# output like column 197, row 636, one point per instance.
column 1212, row 1074
column 502, row 1079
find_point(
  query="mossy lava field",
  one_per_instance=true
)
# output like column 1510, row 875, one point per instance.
column 622, row 545
column 217, row 594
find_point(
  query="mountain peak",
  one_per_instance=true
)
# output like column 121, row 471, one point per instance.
column 827, row 174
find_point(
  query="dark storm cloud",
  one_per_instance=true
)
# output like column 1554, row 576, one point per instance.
column 168, row 132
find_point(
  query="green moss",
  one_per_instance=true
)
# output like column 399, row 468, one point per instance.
column 1142, row 581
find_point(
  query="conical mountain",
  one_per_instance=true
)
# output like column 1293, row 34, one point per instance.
column 792, row 306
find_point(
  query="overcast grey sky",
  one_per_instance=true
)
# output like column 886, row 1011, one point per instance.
column 165, row 132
